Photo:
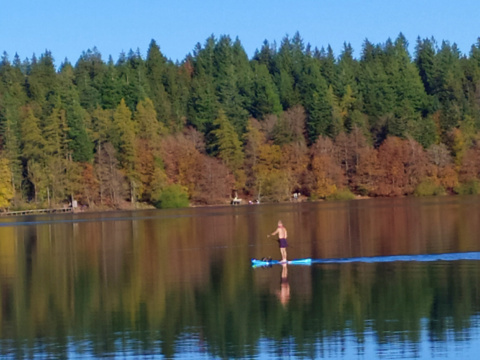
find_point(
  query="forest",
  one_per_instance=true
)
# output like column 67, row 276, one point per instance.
column 292, row 119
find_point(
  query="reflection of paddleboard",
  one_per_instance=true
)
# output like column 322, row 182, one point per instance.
column 257, row 262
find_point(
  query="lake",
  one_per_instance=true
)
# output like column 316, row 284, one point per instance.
column 391, row 278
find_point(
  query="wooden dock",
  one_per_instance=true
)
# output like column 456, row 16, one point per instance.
column 37, row 211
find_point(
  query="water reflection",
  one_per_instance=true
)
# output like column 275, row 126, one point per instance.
column 178, row 284
column 284, row 292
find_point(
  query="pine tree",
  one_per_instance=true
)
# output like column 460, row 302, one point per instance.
column 111, row 87
column 203, row 106
column 328, row 66
column 425, row 62
column 265, row 100
column 41, row 84
column 89, row 75
column 226, row 82
column 449, row 90
column 177, row 85
column 80, row 144
column 155, row 73
column 315, row 99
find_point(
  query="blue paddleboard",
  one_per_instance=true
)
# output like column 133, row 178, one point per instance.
column 257, row 262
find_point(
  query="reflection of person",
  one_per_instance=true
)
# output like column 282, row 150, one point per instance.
column 282, row 240
column 284, row 293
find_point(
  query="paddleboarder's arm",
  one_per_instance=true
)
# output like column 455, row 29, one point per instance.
column 274, row 233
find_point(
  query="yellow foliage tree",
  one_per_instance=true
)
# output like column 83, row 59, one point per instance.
column 324, row 184
column 272, row 179
column 6, row 187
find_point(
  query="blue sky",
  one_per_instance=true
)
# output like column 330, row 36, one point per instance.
column 69, row 28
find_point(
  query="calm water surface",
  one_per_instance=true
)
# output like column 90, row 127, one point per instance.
column 178, row 284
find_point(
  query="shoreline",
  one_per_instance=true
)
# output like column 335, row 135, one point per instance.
column 143, row 206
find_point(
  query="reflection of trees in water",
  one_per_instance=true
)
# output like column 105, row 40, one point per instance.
column 158, row 286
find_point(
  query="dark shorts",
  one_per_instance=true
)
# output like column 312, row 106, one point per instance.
column 282, row 243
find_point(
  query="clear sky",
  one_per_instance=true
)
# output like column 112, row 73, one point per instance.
column 67, row 28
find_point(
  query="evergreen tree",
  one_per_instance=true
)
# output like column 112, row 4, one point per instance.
column 265, row 100
column 177, row 85
column 425, row 61
column 111, row 87
column 347, row 71
column 155, row 72
column 41, row 84
column 266, row 56
column 132, row 78
column 80, row 144
column 89, row 75
column 328, row 66
column 244, row 72
column 290, row 65
column 203, row 106
column 315, row 100
column 449, row 89
column 226, row 81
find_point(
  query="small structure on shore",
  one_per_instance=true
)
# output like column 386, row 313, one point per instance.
column 235, row 200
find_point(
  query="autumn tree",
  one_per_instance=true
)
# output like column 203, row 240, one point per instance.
column 290, row 127
column 112, row 183
column 295, row 165
column 6, row 187
column 470, row 164
column 442, row 167
column 271, row 182
column 326, row 176
column 182, row 161
column 391, row 180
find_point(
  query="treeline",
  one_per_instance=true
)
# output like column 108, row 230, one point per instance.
column 291, row 119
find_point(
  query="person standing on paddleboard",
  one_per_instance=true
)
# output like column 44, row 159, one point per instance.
column 282, row 240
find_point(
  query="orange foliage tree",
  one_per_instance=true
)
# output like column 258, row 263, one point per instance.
column 441, row 168
column 470, row 164
column 326, row 175
column 392, row 178
column 207, row 180
column 90, row 193
column 402, row 166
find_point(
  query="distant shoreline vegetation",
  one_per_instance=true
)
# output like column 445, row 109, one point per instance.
column 291, row 120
